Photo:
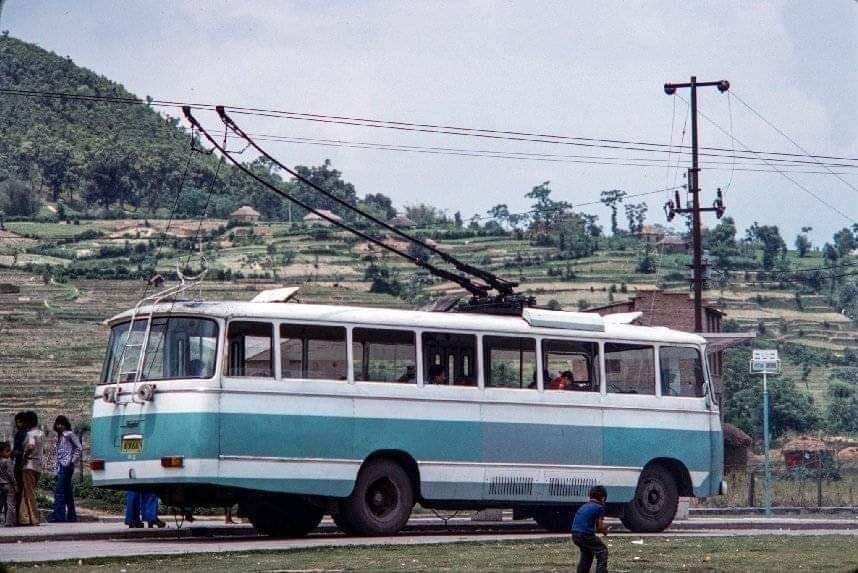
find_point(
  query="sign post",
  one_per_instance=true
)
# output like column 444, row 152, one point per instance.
column 766, row 362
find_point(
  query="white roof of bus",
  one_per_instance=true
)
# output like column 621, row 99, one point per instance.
column 326, row 314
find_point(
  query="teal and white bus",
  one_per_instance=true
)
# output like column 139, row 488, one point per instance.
column 294, row 411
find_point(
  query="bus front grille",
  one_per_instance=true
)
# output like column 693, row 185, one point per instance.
column 570, row 486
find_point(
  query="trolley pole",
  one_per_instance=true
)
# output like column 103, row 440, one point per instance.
column 694, row 188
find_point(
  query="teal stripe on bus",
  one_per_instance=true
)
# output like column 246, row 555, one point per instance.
column 206, row 435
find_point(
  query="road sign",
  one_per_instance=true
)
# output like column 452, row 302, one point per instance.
column 765, row 362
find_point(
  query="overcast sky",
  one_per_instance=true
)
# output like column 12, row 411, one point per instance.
column 591, row 69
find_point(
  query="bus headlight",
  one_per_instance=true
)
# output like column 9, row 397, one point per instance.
column 109, row 394
column 146, row 392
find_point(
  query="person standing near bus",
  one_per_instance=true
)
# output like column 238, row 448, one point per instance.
column 19, row 438
column 68, row 454
column 590, row 519
column 33, row 459
column 8, row 484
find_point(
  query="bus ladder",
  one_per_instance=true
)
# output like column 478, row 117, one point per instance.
column 154, row 299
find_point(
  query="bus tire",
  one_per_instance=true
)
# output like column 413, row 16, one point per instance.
column 293, row 519
column 381, row 502
column 654, row 505
column 555, row 520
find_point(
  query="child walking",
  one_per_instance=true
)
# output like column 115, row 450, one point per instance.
column 590, row 519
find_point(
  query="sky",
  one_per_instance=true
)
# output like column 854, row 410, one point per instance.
column 593, row 69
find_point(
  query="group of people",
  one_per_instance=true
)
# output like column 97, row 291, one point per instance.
column 22, row 463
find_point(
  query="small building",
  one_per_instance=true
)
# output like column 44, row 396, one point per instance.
column 402, row 222
column 314, row 219
column 807, row 453
column 245, row 214
column 672, row 245
column 737, row 447
column 652, row 234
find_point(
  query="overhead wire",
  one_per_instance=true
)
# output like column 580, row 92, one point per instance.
column 779, row 171
column 610, row 143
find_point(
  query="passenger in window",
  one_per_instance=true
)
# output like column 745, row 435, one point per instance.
column 410, row 374
column 437, row 374
column 561, row 381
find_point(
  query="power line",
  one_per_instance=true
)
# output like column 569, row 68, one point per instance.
column 518, row 155
column 649, row 147
column 779, row 171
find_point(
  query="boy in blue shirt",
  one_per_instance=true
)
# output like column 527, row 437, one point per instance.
column 589, row 519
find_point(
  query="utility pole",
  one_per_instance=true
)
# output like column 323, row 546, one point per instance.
column 694, row 187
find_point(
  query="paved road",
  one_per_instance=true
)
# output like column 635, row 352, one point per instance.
column 99, row 547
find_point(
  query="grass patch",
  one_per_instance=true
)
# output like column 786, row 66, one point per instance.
column 762, row 553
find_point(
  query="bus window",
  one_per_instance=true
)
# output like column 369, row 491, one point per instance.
column 509, row 362
column 313, row 352
column 180, row 348
column 569, row 365
column 630, row 368
column 384, row 355
column 681, row 371
column 250, row 349
column 454, row 353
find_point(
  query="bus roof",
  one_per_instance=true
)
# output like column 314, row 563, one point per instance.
column 563, row 323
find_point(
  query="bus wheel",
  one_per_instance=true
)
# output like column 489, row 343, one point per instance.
column 654, row 505
column 556, row 520
column 381, row 502
column 293, row 519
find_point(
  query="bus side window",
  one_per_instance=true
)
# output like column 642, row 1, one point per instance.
column 384, row 355
column 455, row 353
column 569, row 365
column 630, row 368
column 681, row 371
column 313, row 352
column 509, row 362
column 250, row 349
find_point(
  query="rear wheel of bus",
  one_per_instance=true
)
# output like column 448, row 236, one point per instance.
column 381, row 502
column 295, row 518
column 654, row 505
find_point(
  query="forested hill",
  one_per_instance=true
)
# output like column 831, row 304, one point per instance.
column 106, row 159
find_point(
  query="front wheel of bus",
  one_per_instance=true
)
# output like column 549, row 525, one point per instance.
column 381, row 502
column 654, row 505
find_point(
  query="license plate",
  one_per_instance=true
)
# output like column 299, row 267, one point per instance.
column 131, row 445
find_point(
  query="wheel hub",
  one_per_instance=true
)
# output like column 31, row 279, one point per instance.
column 653, row 497
column 382, row 497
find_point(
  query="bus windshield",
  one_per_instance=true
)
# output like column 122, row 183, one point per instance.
column 178, row 347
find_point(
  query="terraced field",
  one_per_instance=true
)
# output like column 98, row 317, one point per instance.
column 51, row 335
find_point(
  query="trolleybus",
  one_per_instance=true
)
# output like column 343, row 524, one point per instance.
column 294, row 411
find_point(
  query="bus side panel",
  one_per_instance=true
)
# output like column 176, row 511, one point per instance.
column 540, row 452
column 442, row 434
column 634, row 436
column 299, row 442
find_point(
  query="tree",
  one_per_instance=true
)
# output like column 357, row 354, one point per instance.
column 576, row 234
column 17, row 199
column 802, row 245
column 721, row 242
column 381, row 203
column 790, row 408
column 842, row 414
column 612, row 199
column 636, row 215
column 769, row 238
column 646, row 264
column 844, row 241
column 499, row 213
column 109, row 178
column 330, row 180
column 425, row 215
column 545, row 210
